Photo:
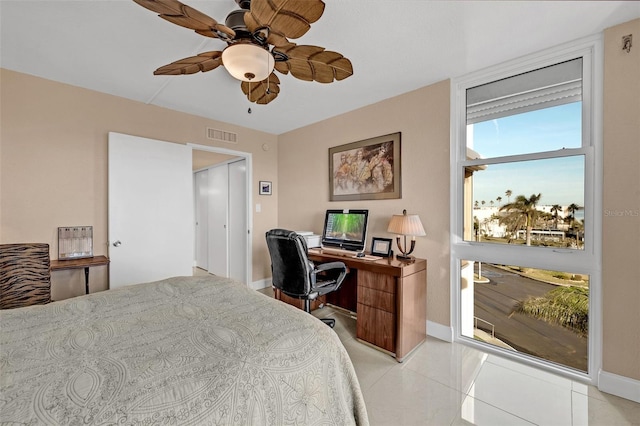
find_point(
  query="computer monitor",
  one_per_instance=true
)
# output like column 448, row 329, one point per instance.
column 345, row 229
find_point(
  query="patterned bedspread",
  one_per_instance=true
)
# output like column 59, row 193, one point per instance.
column 183, row 351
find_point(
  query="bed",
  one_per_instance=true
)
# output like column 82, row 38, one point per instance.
column 183, row 351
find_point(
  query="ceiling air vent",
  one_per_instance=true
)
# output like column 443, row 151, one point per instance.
column 221, row 135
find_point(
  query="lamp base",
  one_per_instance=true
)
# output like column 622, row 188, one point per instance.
column 404, row 252
column 405, row 258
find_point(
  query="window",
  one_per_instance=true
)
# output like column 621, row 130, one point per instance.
column 526, row 144
column 535, row 202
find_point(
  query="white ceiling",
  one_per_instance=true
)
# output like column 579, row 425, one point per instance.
column 113, row 46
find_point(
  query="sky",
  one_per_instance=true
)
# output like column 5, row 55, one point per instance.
column 559, row 180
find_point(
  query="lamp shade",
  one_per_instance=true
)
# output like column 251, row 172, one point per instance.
column 406, row 224
column 248, row 62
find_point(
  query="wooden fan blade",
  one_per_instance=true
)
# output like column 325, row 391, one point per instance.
column 290, row 18
column 188, row 17
column 277, row 39
column 314, row 63
column 204, row 62
column 260, row 92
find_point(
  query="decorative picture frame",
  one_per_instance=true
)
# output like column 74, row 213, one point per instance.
column 75, row 242
column 265, row 187
column 366, row 170
column 381, row 246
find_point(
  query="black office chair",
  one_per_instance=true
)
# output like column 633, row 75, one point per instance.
column 297, row 276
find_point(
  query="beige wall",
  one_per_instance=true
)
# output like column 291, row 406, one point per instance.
column 53, row 169
column 621, row 203
column 422, row 116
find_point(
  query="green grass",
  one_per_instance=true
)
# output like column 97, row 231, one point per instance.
column 553, row 277
column 566, row 306
column 568, row 242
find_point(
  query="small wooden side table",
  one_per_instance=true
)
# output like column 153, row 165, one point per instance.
column 84, row 263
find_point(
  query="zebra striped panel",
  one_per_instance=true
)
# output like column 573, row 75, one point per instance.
column 25, row 277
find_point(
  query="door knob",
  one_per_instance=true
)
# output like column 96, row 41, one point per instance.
column 117, row 243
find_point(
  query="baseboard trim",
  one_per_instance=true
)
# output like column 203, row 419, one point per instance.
column 621, row 386
column 260, row 284
column 439, row 331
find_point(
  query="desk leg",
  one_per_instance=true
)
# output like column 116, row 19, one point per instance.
column 86, row 280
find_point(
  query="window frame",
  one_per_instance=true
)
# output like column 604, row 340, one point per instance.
column 586, row 261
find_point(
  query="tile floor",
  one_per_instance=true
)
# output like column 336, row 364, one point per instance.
column 442, row 383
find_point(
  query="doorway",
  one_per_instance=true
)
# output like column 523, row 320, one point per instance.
column 222, row 206
column 148, row 172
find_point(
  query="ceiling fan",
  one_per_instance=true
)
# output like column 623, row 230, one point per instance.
column 249, row 32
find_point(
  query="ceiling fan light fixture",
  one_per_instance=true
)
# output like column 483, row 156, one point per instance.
column 248, row 62
column 255, row 44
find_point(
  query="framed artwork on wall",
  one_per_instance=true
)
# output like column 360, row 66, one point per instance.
column 265, row 187
column 366, row 170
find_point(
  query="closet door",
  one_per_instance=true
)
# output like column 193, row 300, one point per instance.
column 201, row 180
column 238, row 229
column 218, row 221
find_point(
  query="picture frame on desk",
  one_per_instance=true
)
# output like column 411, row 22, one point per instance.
column 381, row 247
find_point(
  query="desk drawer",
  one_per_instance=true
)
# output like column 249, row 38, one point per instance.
column 375, row 281
column 377, row 327
column 377, row 299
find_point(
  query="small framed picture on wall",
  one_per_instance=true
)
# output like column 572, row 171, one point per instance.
column 265, row 187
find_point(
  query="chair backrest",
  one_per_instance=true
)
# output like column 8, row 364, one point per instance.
column 25, row 275
column 290, row 267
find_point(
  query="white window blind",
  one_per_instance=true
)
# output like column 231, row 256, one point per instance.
column 542, row 88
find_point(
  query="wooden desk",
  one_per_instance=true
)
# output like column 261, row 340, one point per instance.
column 84, row 263
column 390, row 300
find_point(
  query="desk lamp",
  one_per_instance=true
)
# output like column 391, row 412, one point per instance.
column 406, row 224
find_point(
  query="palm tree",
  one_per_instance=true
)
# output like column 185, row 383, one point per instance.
column 555, row 209
column 571, row 209
column 544, row 220
column 523, row 213
column 508, row 193
column 476, row 227
column 499, row 199
column 577, row 227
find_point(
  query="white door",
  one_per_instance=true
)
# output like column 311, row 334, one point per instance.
column 238, row 229
column 218, row 220
column 202, row 218
column 150, row 210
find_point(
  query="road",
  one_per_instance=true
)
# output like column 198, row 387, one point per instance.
column 495, row 302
